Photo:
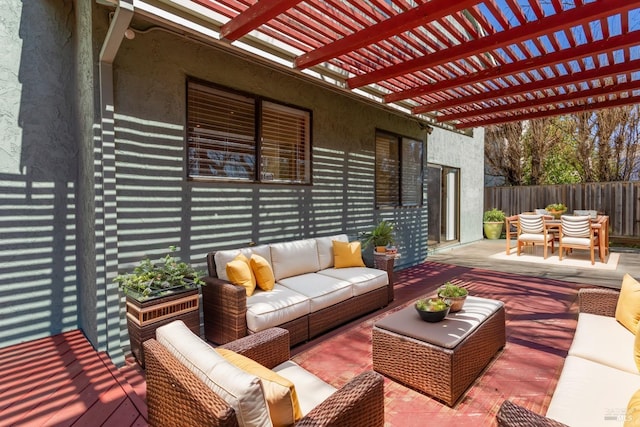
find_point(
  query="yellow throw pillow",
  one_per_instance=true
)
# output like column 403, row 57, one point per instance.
column 628, row 307
column 263, row 272
column 280, row 393
column 347, row 254
column 240, row 274
column 632, row 417
column 636, row 352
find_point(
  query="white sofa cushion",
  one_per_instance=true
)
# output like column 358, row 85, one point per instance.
column 275, row 307
column 221, row 258
column 603, row 339
column 322, row 291
column 325, row 249
column 363, row 279
column 242, row 391
column 294, row 258
column 311, row 390
column 588, row 393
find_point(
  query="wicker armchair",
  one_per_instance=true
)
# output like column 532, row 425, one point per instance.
column 176, row 397
column 591, row 300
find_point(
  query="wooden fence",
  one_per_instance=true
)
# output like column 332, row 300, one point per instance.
column 619, row 200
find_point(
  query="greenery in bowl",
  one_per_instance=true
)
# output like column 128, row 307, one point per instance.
column 380, row 235
column 432, row 304
column 432, row 309
column 556, row 207
column 493, row 215
column 449, row 290
column 149, row 280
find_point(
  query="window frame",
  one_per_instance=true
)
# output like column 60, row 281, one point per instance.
column 257, row 176
column 399, row 179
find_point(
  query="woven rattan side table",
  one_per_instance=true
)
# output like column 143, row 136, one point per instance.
column 439, row 359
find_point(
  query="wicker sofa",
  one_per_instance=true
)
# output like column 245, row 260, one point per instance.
column 310, row 295
column 599, row 377
column 178, row 397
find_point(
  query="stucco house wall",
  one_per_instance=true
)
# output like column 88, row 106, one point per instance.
column 85, row 198
column 466, row 153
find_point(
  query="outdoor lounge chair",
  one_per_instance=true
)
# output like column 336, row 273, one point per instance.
column 178, row 397
column 576, row 233
column 532, row 230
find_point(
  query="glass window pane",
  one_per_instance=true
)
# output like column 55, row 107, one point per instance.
column 285, row 149
column 387, row 170
column 220, row 134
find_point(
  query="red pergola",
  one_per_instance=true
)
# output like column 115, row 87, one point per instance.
column 468, row 63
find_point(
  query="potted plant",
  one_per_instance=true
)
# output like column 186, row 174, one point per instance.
column 456, row 294
column 380, row 236
column 493, row 220
column 159, row 293
column 556, row 209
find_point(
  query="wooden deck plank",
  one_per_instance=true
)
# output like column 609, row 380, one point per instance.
column 62, row 381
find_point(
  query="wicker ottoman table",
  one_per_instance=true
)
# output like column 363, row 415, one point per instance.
column 439, row 359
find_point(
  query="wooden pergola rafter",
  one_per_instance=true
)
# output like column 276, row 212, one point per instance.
column 467, row 63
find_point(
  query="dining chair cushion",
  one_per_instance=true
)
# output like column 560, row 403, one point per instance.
column 576, row 241
column 576, row 226
column 530, row 237
column 531, row 224
column 628, row 307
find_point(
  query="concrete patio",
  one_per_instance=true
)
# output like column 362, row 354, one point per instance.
column 479, row 255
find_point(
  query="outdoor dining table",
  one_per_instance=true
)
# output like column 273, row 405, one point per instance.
column 599, row 224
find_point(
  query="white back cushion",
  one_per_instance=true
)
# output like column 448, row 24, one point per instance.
column 241, row 390
column 294, row 258
column 325, row 249
column 221, row 258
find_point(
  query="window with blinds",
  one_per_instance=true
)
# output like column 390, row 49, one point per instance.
column 398, row 171
column 227, row 132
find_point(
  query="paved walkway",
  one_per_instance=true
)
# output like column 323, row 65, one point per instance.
column 478, row 254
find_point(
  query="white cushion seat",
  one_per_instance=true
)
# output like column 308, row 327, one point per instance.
column 530, row 237
column 322, row 291
column 266, row 309
column 310, row 389
column 363, row 279
column 603, row 340
column 574, row 401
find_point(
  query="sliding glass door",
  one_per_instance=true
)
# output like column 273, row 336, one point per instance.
column 443, row 192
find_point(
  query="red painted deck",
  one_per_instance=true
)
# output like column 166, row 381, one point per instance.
column 62, row 381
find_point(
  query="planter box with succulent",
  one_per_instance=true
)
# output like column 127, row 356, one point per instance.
column 157, row 294
column 493, row 220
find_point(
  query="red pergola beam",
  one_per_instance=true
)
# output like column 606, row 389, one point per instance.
column 595, row 73
column 549, row 100
column 587, row 49
column 397, row 24
column 549, row 113
column 576, row 16
column 254, row 16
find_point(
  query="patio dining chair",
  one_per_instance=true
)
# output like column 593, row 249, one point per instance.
column 532, row 230
column 576, row 233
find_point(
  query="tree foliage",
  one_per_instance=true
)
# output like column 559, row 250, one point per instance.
column 586, row 147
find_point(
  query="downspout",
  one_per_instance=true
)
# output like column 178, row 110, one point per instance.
column 107, row 243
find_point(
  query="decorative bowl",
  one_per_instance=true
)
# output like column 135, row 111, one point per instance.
column 431, row 309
